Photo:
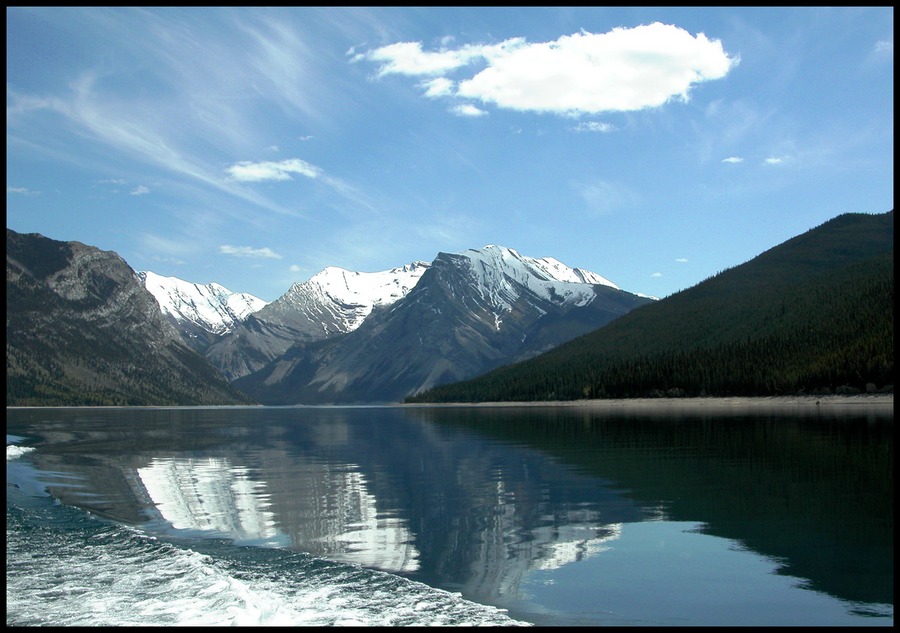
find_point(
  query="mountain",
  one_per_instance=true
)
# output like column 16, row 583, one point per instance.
column 81, row 329
column 468, row 313
column 812, row 315
column 333, row 302
column 202, row 313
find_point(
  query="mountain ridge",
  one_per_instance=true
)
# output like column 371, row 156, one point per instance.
column 469, row 312
column 811, row 315
column 82, row 330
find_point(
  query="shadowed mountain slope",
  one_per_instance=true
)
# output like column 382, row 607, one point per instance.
column 812, row 315
column 82, row 330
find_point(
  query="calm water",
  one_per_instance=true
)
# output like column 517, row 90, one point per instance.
column 457, row 516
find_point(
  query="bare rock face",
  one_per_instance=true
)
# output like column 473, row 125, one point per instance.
column 469, row 313
column 81, row 329
column 330, row 304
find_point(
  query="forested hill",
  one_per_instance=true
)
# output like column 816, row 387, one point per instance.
column 812, row 315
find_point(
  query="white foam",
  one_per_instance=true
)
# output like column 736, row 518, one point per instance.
column 109, row 575
column 14, row 452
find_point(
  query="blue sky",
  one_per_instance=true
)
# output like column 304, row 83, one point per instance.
column 254, row 147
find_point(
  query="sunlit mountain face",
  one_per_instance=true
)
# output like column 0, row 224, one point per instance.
column 340, row 517
column 349, row 337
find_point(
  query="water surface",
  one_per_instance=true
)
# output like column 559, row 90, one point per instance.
column 445, row 515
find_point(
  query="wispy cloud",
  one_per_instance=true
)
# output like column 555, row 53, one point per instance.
column 733, row 159
column 584, row 73
column 248, row 251
column 140, row 190
column 248, row 171
column 776, row 160
column 681, row 260
column 594, row 126
column 603, row 197
column 24, row 191
column 197, row 93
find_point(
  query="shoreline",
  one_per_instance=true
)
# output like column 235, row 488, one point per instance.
column 876, row 401
column 879, row 401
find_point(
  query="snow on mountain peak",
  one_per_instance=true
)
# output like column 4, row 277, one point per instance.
column 212, row 306
column 497, row 270
column 350, row 296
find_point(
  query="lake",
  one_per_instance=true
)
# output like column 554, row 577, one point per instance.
column 407, row 515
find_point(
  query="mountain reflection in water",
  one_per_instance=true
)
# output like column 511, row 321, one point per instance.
column 483, row 501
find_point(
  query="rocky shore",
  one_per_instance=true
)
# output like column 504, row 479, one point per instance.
column 882, row 403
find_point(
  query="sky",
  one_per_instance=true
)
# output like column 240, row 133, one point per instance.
column 253, row 147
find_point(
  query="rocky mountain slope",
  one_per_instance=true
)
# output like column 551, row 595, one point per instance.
column 202, row 313
column 468, row 313
column 333, row 302
column 811, row 315
column 82, row 330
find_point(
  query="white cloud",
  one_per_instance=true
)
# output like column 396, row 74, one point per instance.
column 884, row 47
column 248, row 171
column 656, row 275
column 681, row 260
column 776, row 160
column 248, row 251
column 594, row 126
column 439, row 87
column 733, row 159
column 408, row 58
column 583, row 73
column 140, row 190
column 467, row 109
column 295, row 268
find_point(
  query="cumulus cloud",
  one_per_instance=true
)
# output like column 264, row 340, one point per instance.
column 583, row 73
column 733, row 159
column 408, row 58
column 248, row 251
column 248, row 171
column 140, row 190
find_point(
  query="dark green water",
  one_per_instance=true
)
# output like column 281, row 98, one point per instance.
column 557, row 515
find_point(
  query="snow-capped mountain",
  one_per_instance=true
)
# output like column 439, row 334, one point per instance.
column 377, row 336
column 340, row 299
column 201, row 312
column 468, row 313
column 500, row 275
column 334, row 301
column 81, row 329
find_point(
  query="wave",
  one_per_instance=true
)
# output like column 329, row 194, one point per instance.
column 66, row 567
